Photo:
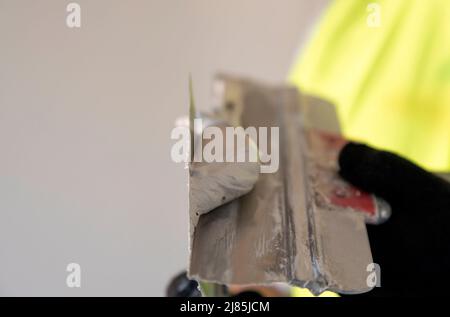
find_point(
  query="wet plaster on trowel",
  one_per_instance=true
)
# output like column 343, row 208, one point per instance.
column 212, row 184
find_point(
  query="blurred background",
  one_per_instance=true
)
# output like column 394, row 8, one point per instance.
column 85, row 121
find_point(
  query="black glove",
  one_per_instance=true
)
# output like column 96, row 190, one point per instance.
column 413, row 246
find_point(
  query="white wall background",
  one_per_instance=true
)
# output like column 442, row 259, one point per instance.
column 85, row 121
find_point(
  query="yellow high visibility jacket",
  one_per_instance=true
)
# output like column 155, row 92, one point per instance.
column 386, row 66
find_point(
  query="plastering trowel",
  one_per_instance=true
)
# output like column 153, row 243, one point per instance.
column 301, row 224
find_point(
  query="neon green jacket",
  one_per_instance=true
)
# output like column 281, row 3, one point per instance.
column 386, row 66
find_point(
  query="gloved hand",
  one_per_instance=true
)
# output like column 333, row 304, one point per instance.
column 413, row 246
